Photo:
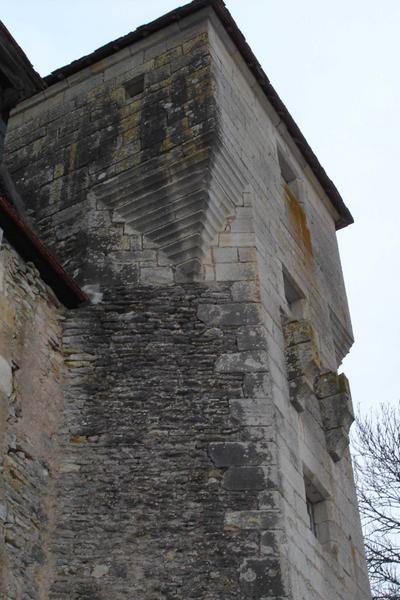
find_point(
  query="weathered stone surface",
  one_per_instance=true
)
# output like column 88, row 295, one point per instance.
column 337, row 441
column 251, row 519
column 229, row 314
column 261, row 578
column 246, row 291
column 242, row 362
column 30, row 414
column 300, row 390
column 298, row 332
column 330, row 384
column 237, row 240
column 155, row 275
column 337, row 412
column 256, row 412
column 156, row 177
column 244, row 478
column 144, row 419
column 236, row 271
column 227, row 454
column 249, row 338
column 256, row 385
column 303, row 359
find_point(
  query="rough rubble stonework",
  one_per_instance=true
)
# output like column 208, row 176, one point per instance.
column 31, row 376
column 190, row 406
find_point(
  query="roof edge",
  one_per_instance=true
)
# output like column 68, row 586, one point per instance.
column 19, row 61
column 344, row 215
column 30, row 248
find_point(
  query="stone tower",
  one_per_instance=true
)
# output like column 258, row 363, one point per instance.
column 183, row 434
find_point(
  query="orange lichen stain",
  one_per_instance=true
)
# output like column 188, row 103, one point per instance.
column 299, row 221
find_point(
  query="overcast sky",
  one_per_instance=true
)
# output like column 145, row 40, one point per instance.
column 336, row 67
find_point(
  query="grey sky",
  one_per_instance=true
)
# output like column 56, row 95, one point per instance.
column 336, row 66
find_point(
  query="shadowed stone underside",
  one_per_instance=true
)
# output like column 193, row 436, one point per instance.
column 180, row 208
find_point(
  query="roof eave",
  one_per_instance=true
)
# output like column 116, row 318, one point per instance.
column 30, row 248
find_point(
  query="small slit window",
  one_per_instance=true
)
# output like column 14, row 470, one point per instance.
column 311, row 515
column 316, row 507
column 288, row 175
column 294, row 296
column 134, row 86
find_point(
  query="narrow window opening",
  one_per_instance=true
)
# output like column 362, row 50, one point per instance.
column 296, row 210
column 311, row 516
column 135, row 86
column 295, row 298
column 288, row 175
column 316, row 506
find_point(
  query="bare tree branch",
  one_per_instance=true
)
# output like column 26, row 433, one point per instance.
column 377, row 469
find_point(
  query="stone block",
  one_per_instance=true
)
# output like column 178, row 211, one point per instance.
column 256, row 385
column 156, row 275
column 300, row 391
column 254, row 412
column 243, row 223
column 230, row 314
column 337, row 411
column 157, row 75
column 298, row 332
column 225, row 255
column 247, row 255
column 127, row 62
column 228, row 454
column 245, row 291
column 303, row 360
column 237, row 239
column 209, row 273
column 251, row 338
column 330, row 384
column 244, row 478
column 242, row 362
column 251, row 519
column 235, row 271
column 337, row 440
column 261, row 578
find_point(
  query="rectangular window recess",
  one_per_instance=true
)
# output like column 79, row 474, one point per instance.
column 289, row 178
column 287, row 172
column 295, row 298
column 134, row 86
column 316, row 505
column 311, row 516
column 293, row 292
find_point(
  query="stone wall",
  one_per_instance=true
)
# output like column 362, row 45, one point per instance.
column 119, row 159
column 168, row 474
column 31, row 367
column 295, row 240
column 198, row 413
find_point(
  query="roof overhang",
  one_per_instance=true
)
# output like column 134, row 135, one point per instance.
column 19, row 80
column 30, row 248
